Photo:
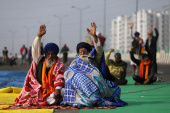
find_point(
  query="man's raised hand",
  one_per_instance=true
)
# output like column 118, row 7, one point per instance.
column 131, row 49
column 111, row 50
column 131, row 25
column 41, row 31
column 92, row 31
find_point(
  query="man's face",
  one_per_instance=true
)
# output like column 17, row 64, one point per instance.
column 118, row 60
column 83, row 51
column 137, row 36
column 146, row 59
column 50, row 56
column 149, row 32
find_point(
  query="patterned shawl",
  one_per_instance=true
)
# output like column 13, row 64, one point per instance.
column 31, row 93
column 86, row 86
column 92, row 55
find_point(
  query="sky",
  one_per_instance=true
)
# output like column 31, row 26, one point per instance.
column 20, row 19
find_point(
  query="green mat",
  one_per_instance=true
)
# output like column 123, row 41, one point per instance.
column 141, row 99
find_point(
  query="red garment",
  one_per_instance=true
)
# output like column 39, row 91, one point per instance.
column 21, row 50
column 102, row 41
column 31, row 93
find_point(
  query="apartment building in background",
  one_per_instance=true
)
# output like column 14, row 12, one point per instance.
column 144, row 19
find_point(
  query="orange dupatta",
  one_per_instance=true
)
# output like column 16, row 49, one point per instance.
column 142, row 68
column 142, row 49
column 47, row 85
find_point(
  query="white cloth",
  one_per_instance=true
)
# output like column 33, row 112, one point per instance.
column 50, row 99
column 98, row 42
column 23, row 52
column 138, row 57
column 36, row 46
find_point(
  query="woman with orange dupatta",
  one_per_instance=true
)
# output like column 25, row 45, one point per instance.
column 146, row 70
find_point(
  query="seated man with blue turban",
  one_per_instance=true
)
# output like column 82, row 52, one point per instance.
column 44, row 82
column 85, row 81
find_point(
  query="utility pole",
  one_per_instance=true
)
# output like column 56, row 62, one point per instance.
column 104, row 23
column 13, row 33
column 60, row 30
column 136, row 14
column 80, row 9
column 28, row 29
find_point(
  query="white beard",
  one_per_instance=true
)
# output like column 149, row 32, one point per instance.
column 49, row 63
column 85, row 58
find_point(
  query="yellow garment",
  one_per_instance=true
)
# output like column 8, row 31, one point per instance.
column 115, row 70
column 10, row 90
column 7, row 98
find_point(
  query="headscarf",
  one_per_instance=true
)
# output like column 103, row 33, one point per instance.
column 83, row 45
column 51, row 47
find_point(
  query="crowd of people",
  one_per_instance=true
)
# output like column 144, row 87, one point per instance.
column 26, row 55
column 8, row 60
column 92, row 78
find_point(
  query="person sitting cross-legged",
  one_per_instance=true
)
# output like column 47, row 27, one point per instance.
column 116, row 71
column 146, row 69
column 44, row 83
column 85, row 83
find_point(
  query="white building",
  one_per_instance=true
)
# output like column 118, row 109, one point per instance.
column 121, row 33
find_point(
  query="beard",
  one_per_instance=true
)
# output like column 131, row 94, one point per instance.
column 49, row 63
column 85, row 58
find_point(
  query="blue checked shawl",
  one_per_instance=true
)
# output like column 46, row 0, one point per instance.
column 92, row 55
column 86, row 86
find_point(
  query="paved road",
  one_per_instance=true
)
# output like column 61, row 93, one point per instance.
column 163, row 70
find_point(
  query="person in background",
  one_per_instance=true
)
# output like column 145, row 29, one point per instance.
column 44, row 82
column 65, row 50
column 16, row 56
column 23, row 52
column 146, row 69
column 5, row 56
column 10, row 56
column 29, row 56
column 138, row 44
column 12, row 61
column 150, row 46
column 116, row 69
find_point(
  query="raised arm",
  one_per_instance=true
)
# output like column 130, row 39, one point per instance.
column 92, row 31
column 156, row 31
column 131, row 27
column 98, row 47
column 107, row 56
column 36, row 46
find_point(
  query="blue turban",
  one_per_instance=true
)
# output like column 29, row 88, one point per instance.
column 51, row 47
column 84, row 45
column 137, row 33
